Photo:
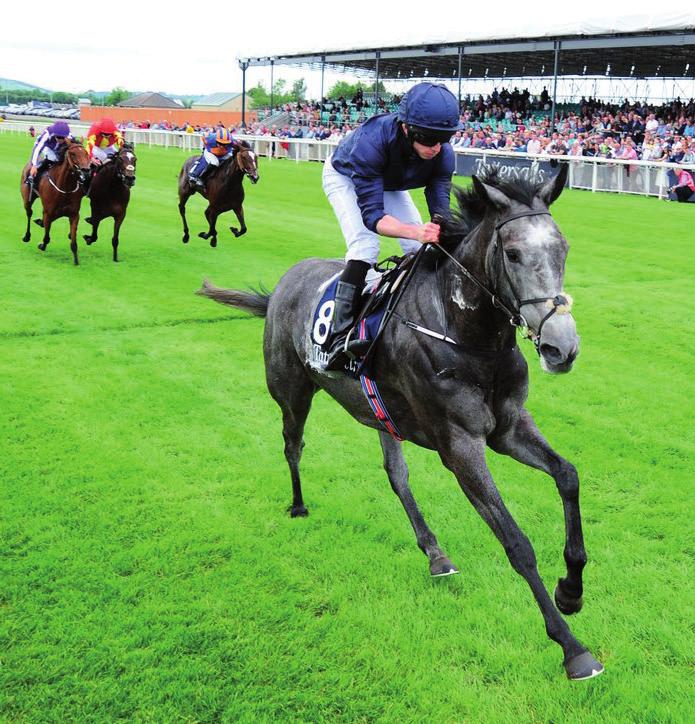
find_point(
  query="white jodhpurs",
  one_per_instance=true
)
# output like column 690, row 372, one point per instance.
column 363, row 244
column 102, row 154
column 215, row 160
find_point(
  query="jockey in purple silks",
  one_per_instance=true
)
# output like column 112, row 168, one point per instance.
column 218, row 146
column 48, row 149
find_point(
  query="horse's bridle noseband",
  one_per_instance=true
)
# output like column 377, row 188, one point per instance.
column 513, row 311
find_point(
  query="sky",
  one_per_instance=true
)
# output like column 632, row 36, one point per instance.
column 192, row 49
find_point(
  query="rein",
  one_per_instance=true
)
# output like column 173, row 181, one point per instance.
column 72, row 169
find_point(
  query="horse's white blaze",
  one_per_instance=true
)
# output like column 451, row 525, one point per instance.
column 129, row 156
column 538, row 235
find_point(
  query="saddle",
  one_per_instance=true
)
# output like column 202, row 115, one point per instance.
column 378, row 299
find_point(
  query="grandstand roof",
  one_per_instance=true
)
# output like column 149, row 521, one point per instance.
column 662, row 45
column 149, row 100
column 216, row 99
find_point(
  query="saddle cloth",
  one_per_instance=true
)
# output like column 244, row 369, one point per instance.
column 376, row 300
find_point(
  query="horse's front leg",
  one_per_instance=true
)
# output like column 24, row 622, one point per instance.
column 94, row 220
column 46, row 224
column 525, row 443
column 117, row 221
column 74, row 219
column 239, row 212
column 464, row 455
column 397, row 471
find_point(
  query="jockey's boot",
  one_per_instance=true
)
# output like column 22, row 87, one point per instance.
column 347, row 294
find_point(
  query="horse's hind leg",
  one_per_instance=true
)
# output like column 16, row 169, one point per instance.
column 211, row 233
column 293, row 391
column 182, row 210
column 27, row 234
column 239, row 212
column 525, row 443
column 397, row 471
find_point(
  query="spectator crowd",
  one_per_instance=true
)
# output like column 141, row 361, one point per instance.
column 514, row 121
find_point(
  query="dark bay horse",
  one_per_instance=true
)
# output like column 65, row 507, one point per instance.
column 61, row 189
column 109, row 193
column 224, row 191
column 454, row 398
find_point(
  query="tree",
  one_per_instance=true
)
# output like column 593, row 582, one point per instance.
column 116, row 96
column 298, row 92
column 259, row 96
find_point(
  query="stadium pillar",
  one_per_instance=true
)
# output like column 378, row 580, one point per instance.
column 272, row 97
column 556, row 44
column 459, row 73
column 323, row 68
column 244, row 66
column 376, row 86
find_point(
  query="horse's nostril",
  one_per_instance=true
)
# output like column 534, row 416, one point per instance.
column 551, row 354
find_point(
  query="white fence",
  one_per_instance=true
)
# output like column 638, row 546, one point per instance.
column 648, row 178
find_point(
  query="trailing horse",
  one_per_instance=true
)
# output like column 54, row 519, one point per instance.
column 109, row 193
column 454, row 395
column 61, row 189
column 224, row 191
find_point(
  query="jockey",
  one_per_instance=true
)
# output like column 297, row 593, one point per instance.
column 48, row 149
column 103, row 141
column 217, row 147
column 366, row 180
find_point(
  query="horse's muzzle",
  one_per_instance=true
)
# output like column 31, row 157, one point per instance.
column 555, row 361
column 253, row 179
column 129, row 181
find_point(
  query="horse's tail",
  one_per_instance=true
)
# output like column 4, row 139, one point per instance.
column 254, row 302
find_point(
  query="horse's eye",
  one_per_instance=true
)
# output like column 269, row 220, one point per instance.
column 513, row 256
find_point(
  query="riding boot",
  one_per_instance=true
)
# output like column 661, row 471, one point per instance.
column 347, row 294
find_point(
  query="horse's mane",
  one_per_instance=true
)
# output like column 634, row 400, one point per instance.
column 472, row 203
column 245, row 145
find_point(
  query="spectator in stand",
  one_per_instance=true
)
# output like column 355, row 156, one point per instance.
column 534, row 145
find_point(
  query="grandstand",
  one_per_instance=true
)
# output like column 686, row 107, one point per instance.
column 637, row 47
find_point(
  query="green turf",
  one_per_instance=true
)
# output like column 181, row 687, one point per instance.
column 149, row 569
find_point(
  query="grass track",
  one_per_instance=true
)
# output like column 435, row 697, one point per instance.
column 149, row 570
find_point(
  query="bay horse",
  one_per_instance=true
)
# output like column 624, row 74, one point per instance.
column 224, row 191
column 61, row 189
column 109, row 193
column 462, row 391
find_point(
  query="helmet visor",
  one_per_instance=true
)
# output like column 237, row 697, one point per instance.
column 428, row 136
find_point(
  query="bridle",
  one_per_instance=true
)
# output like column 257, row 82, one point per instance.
column 122, row 167
column 241, row 167
column 73, row 168
column 560, row 303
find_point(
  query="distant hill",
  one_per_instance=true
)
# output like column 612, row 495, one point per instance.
column 9, row 84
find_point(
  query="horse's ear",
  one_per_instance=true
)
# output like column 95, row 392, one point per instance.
column 553, row 188
column 491, row 194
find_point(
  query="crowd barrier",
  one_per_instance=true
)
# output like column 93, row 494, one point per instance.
column 647, row 178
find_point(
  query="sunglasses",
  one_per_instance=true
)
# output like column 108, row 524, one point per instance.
column 430, row 138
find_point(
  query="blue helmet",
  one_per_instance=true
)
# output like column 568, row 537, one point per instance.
column 431, row 106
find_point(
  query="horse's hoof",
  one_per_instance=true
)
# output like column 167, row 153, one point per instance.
column 42, row 246
column 203, row 234
column 39, row 222
column 88, row 239
column 234, row 230
column 442, row 567
column 567, row 604
column 89, row 220
column 583, row 666
column 185, row 239
column 26, row 238
column 213, row 242
column 298, row 511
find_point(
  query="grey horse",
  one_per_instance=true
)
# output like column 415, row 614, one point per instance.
column 507, row 263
